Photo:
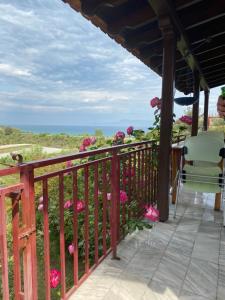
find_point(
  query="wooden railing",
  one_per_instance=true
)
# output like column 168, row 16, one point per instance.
column 57, row 204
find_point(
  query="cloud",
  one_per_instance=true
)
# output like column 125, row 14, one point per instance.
column 9, row 70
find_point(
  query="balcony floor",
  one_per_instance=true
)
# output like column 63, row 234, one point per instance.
column 182, row 259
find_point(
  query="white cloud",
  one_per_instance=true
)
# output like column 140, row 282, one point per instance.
column 10, row 70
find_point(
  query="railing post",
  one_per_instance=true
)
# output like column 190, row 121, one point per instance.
column 29, row 229
column 115, row 183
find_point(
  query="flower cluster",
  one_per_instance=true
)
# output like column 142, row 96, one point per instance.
column 54, row 278
column 130, row 130
column 186, row 119
column 123, row 197
column 80, row 205
column 41, row 204
column 155, row 102
column 119, row 138
column 151, row 213
column 87, row 142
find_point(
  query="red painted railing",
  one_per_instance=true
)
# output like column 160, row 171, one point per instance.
column 93, row 230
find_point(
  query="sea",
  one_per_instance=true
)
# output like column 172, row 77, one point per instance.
column 71, row 130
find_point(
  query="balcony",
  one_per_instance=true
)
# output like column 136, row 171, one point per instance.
column 181, row 259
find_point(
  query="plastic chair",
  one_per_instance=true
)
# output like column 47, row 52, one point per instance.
column 200, row 166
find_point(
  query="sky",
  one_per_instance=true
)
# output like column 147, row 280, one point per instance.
column 56, row 68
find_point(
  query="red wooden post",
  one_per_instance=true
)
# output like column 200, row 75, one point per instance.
column 29, row 222
column 206, row 110
column 115, row 202
column 169, row 47
column 3, row 249
column 195, row 109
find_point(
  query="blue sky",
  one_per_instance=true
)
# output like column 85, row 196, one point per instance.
column 57, row 68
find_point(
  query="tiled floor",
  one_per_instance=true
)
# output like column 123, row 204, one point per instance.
column 181, row 259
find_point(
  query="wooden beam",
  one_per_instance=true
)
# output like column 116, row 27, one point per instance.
column 191, row 17
column 195, row 108
column 136, row 18
column 166, row 7
column 206, row 110
column 169, row 47
column 90, row 7
column 213, row 62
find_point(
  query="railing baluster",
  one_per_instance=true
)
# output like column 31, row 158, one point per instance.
column 96, row 210
column 3, row 249
column 104, row 212
column 86, row 222
column 75, row 229
column 46, row 241
column 62, row 237
column 16, row 256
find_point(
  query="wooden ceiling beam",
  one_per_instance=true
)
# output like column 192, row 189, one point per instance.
column 90, row 7
column 147, row 37
column 209, row 11
column 166, row 7
column 214, row 61
column 214, row 29
column 134, row 19
column 216, row 70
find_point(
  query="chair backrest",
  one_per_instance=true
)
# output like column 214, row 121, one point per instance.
column 204, row 147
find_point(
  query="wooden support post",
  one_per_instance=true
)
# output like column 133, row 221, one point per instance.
column 169, row 48
column 195, row 109
column 206, row 110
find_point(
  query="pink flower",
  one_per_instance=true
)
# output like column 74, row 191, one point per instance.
column 120, row 135
column 93, row 140
column 151, row 213
column 71, row 249
column 68, row 204
column 54, row 278
column 123, row 197
column 69, row 164
column 87, row 142
column 82, row 148
column 155, row 102
column 41, row 199
column 186, row 119
column 80, row 205
column 130, row 130
column 40, row 206
column 109, row 196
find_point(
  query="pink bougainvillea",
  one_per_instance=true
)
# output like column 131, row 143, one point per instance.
column 151, row 213
column 86, row 142
column 82, row 148
column 41, row 199
column 155, row 102
column 40, row 206
column 130, row 130
column 71, row 249
column 186, row 119
column 120, row 135
column 80, row 205
column 93, row 140
column 68, row 204
column 69, row 164
column 54, row 278
column 123, row 197
column 109, row 196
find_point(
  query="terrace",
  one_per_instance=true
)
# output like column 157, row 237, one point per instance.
column 182, row 41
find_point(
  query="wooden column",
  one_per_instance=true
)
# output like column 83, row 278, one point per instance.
column 206, row 110
column 169, row 47
column 195, row 109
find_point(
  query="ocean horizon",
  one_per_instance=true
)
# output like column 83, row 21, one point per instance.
column 71, row 130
